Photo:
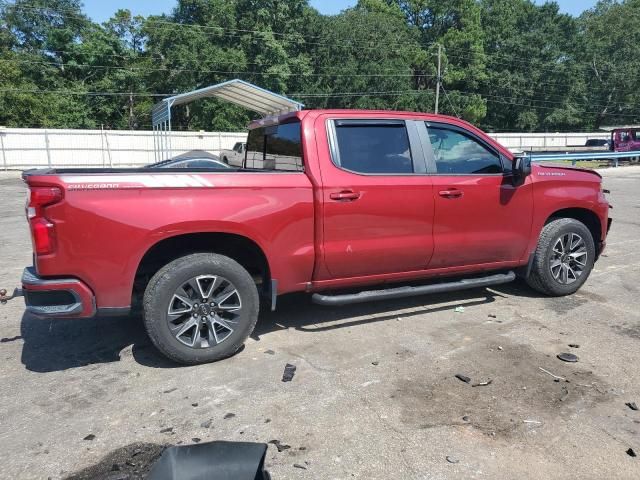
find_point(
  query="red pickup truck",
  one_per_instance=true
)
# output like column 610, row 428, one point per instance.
column 326, row 200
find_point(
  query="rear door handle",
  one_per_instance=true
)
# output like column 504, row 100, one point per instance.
column 451, row 193
column 344, row 196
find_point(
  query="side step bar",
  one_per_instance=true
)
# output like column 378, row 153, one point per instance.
column 402, row 292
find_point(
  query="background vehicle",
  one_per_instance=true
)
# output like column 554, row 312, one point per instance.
column 345, row 199
column 625, row 139
column 193, row 159
column 235, row 156
column 597, row 142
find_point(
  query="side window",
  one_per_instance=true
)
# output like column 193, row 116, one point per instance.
column 276, row 147
column 372, row 147
column 457, row 153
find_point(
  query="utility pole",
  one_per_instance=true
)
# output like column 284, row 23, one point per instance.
column 439, row 78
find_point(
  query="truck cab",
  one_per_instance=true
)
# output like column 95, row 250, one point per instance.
column 625, row 139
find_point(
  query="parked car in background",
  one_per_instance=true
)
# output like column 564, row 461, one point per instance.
column 235, row 156
column 194, row 159
column 597, row 142
column 345, row 199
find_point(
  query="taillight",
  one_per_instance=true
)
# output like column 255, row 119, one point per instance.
column 43, row 230
column 44, row 238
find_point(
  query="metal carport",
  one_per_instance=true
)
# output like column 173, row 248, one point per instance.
column 238, row 92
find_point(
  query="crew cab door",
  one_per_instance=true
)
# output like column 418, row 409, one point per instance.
column 480, row 217
column 376, row 198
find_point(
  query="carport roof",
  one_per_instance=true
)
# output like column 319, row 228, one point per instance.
column 611, row 128
column 239, row 92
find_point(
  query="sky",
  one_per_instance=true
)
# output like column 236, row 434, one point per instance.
column 100, row 10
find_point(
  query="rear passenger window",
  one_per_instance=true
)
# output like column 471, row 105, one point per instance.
column 457, row 153
column 372, row 147
column 276, row 147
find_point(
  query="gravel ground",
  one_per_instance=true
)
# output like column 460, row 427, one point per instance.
column 374, row 394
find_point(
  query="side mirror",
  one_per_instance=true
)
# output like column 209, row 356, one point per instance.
column 521, row 169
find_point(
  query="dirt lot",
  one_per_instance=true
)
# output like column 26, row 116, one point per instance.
column 374, row 395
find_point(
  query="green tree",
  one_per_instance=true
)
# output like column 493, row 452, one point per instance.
column 610, row 35
column 534, row 78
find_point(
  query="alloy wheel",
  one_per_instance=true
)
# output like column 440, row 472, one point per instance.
column 569, row 258
column 203, row 312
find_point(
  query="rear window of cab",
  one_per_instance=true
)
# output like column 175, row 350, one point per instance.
column 275, row 147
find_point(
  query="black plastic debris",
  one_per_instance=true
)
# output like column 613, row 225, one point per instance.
column 194, row 404
column 170, row 390
column 10, row 339
column 269, row 352
column 167, row 430
column 213, row 461
column 289, row 372
column 631, row 453
column 466, row 418
column 451, row 459
column 574, row 345
column 89, row 437
column 375, row 364
column 568, row 357
column 297, row 465
column 632, row 405
column 229, row 415
column 463, row 378
column 196, row 440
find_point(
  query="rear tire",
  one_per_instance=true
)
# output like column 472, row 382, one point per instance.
column 200, row 308
column 563, row 259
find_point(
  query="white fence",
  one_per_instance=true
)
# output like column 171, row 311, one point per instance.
column 26, row 148
column 540, row 142
column 22, row 148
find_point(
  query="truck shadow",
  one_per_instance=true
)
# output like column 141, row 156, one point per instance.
column 55, row 345
column 296, row 311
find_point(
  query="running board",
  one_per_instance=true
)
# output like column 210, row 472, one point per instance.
column 402, row 292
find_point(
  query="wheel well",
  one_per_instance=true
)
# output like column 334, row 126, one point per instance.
column 589, row 218
column 244, row 251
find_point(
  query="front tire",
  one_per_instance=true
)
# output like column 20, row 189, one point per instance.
column 200, row 308
column 563, row 259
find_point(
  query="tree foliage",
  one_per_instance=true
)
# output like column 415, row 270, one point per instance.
column 506, row 64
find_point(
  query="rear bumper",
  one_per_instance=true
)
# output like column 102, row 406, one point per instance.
column 59, row 297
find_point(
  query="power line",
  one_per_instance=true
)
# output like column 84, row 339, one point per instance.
column 295, row 36
column 191, row 70
column 488, row 98
column 450, row 102
column 283, row 74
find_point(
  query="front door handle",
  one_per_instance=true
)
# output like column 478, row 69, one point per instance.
column 345, row 196
column 451, row 193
